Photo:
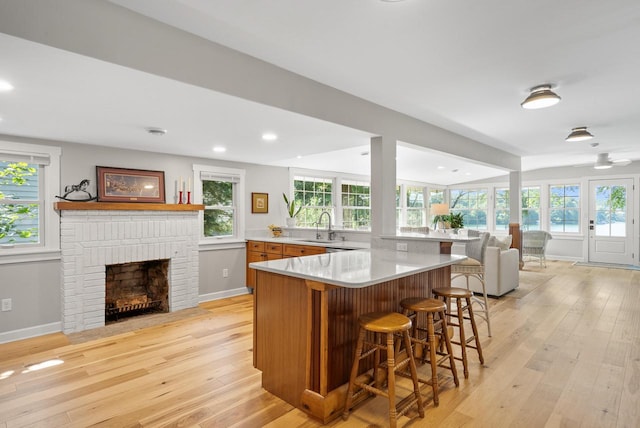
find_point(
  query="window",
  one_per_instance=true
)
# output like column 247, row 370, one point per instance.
column 20, row 202
column 221, row 193
column 314, row 195
column 356, row 205
column 502, row 209
column 415, row 212
column 530, row 208
column 564, row 211
column 29, row 179
column 472, row 204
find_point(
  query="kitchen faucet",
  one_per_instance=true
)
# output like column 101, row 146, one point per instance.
column 330, row 233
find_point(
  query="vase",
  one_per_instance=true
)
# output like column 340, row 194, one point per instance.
column 291, row 222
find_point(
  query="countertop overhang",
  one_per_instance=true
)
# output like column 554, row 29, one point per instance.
column 358, row 268
column 336, row 243
column 432, row 236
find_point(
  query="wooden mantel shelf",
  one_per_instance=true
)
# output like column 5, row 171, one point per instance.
column 125, row 206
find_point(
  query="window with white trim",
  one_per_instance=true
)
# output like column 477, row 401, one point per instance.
column 564, row 208
column 29, row 179
column 502, row 210
column 530, row 197
column 472, row 203
column 411, row 208
column 314, row 195
column 221, row 191
column 356, row 205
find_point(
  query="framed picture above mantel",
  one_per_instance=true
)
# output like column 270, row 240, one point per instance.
column 130, row 185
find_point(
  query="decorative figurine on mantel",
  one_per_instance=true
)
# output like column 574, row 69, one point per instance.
column 80, row 188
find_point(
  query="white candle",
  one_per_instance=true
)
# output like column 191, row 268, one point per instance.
column 189, row 185
column 180, row 184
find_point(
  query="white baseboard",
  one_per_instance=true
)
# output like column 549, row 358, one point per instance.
column 26, row 333
column 223, row 294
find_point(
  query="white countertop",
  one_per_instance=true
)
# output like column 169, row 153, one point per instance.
column 357, row 269
column 336, row 243
column 432, row 236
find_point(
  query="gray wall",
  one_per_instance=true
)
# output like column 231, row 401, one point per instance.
column 35, row 287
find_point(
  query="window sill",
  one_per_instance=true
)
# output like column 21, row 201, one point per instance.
column 221, row 244
column 20, row 255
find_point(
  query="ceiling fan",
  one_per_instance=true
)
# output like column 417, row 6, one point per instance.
column 603, row 161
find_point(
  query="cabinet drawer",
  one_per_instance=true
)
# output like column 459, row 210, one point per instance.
column 255, row 246
column 272, row 248
column 301, row 250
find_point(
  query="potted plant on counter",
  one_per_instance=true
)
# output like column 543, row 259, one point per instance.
column 291, row 210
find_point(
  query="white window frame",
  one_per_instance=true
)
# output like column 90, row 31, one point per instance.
column 403, row 202
column 238, row 198
column 49, row 233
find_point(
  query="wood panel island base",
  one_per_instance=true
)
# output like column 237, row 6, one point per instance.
column 306, row 317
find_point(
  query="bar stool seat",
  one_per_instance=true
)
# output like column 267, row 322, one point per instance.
column 463, row 305
column 384, row 324
column 431, row 335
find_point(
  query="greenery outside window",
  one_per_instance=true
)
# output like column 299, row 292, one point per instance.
column 472, row 204
column 314, row 195
column 356, row 205
column 530, row 197
column 29, row 181
column 416, row 215
column 221, row 190
column 564, row 211
column 20, row 202
column 502, row 209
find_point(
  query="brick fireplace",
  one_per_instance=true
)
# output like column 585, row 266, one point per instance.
column 94, row 235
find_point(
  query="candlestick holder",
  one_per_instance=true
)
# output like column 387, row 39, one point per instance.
column 180, row 197
column 189, row 198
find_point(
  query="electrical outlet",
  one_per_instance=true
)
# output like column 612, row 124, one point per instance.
column 6, row 305
column 401, row 246
column 225, row 273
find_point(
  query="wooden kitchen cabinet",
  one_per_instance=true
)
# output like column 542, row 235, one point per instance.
column 259, row 251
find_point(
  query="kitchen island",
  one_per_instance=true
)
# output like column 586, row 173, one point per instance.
column 306, row 316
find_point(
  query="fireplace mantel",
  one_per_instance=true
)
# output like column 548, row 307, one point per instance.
column 124, row 206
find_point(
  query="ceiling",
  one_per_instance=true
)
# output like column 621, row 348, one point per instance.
column 463, row 66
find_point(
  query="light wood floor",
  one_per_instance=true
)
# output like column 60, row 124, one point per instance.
column 565, row 352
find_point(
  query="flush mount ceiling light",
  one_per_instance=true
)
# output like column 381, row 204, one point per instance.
column 156, row 131
column 219, row 149
column 541, row 96
column 579, row 134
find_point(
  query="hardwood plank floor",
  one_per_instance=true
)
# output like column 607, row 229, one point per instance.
column 565, row 352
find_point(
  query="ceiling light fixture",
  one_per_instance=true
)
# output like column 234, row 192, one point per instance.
column 219, row 149
column 579, row 134
column 541, row 96
column 5, row 86
column 269, row 136
column 603, row 162
column 156, row 131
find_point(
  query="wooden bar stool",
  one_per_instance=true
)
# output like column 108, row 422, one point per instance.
column 463, row 302
column 425, row 335
column 384, row 324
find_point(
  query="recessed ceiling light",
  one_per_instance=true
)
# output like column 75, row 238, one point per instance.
column 364, row 154
column 219, row 149
column 156, row 131
column 5, row 86
column 269, row 136
column 299, row 157
column 442, row 167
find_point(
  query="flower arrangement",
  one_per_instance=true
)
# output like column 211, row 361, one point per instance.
column 276, row 230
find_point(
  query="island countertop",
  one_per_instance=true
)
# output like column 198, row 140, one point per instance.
column 358, row 268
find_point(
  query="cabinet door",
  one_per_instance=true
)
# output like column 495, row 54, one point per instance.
column 271, row 248
column 253, row 256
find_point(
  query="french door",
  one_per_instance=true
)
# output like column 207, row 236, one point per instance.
column 611, row 221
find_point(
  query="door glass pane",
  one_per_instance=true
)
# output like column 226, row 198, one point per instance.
column 611, row 211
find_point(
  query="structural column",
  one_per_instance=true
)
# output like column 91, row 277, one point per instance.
column 383, row 186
